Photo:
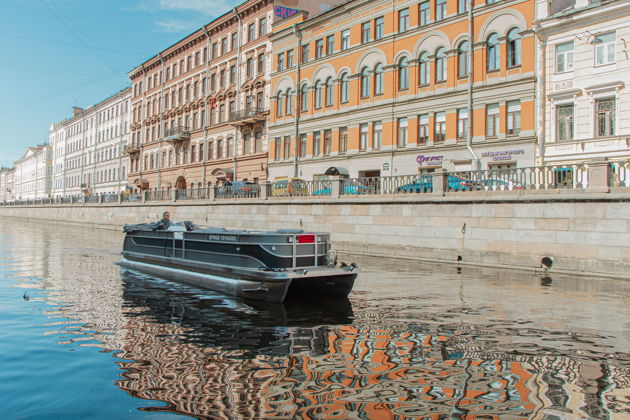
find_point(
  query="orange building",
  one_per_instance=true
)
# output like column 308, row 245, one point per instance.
column 199, row 107
column 378, row 88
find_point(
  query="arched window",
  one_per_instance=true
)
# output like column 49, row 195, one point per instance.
column 365, row 82
column 425, row 69
column 329, row 91
column 279, row 104
column 403, row 73
column 318, row 94
column 289, row 102
column 344, row 92
column 492, row 52
column 440, row 65
column 514, row 48
column 378, row 79
column 304, row 98
column 463, row 66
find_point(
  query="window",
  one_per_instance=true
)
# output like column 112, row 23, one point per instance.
column 330, row 44
column 423, row 128
column 247, row 144
column 262, row 26
column 440, row 65
column 378, row 79
column 329, row 91
column 492, row 120
column 363, row 136
column 440, row 127
column 365, row 32
column 302, row 149
column 287, row 147
column 513, row 117
column 564, row 122
column 401, row 140
column 224, row 46
column 317, row 140
column 379, row 26
column 230, row 147
column 462, row 6
column 564, row 57
column 220, row 149
column 403, row 21
column 604, row 49
column 462, row 124
column 463, row 65
column 278, row 148
column 365, row 82
column 304, row 98
column 250, row 68
column 279, row 105
column 318, row 94
column 289, row 58
column 343, row 140
column 234, row 43
column 514, row 48
column 605, row 123
column 345, row 39
column 251, row 32
column 280, row 60
column 222, row 79
column 289, row 102
column 261, row 64
column 215, row 49
column 258, row 142
column 319, row 48
column 306, row 52
column 440, row 9
column 492, row 52
column 344, row 91
column 403, row 74
column 425, row 69
column 327, row 142
column 424, row 12
column 232, row 74
column 377, row 135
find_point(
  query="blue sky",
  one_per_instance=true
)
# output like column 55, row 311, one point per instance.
column 59, row 53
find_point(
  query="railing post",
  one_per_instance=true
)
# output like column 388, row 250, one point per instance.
column 598, row 175
column 144, row 196
column 337, row 187
column 440, row 181
column 264, row 190
column 213, row 193
column 174, row 194
column 101, row 199
column 120, row 197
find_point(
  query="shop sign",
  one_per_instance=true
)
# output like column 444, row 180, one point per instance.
column 386, row 166
column 429, row 160
column 284, row 12
column 503, row 155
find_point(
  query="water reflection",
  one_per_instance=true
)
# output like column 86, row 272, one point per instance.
column 413, row 341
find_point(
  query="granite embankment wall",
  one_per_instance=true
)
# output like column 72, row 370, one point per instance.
column 584, row 232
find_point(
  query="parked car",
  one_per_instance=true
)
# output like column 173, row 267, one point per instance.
column 425, row 184
column 285, row 186
column 348, row 189
column 240, row 188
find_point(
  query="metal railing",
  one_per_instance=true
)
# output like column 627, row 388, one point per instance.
column 159, row 195
column 193, row 194
column 177, row 133
column 300, row 188
column 93, row 199
column 237, row 191
column 244, row 114
column 131, row 197
column 399, row 184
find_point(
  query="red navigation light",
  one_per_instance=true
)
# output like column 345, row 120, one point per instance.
column 306, row 239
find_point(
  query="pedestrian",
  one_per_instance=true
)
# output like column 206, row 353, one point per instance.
column 165, row 223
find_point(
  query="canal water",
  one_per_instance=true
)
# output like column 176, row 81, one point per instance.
column 81, row 337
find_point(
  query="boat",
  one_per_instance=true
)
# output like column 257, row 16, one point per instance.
column 268, row 266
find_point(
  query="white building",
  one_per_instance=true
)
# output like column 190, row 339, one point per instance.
column 6, row 184
column 88, row 147
column 584, row 92
column 33, row 173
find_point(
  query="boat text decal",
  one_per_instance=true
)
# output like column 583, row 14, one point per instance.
column 231, row 238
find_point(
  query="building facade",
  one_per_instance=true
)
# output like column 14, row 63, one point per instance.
column 6, row 184
column 33, row 174
column 199, row 107
column 374, row 89
column 584, row 88
column 88, row 148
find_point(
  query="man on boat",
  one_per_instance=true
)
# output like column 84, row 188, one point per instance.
column 165, row 223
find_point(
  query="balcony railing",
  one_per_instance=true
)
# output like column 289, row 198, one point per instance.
column 248, row 116
column 175, row 134
column 131, row 149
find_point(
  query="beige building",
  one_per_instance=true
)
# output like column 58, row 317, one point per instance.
column 32, row 174
column 583, row 91
column 6, row 184
column 87, row 148
column 199, row 107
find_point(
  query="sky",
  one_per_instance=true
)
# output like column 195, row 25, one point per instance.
column 56, row 54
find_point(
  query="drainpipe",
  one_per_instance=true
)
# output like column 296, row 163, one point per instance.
column 160, row 109
column 540, row 94
column 120, row 143
column 206, row 89
column 238, row 87
column 471, row 78
column 298, row 34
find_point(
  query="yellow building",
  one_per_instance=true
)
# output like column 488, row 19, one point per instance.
column 375, row 88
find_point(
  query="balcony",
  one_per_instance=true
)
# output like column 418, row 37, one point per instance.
column 177, row 134
column 248, row 116
column 131, row 149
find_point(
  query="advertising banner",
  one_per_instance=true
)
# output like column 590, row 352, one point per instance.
column 286, row 8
